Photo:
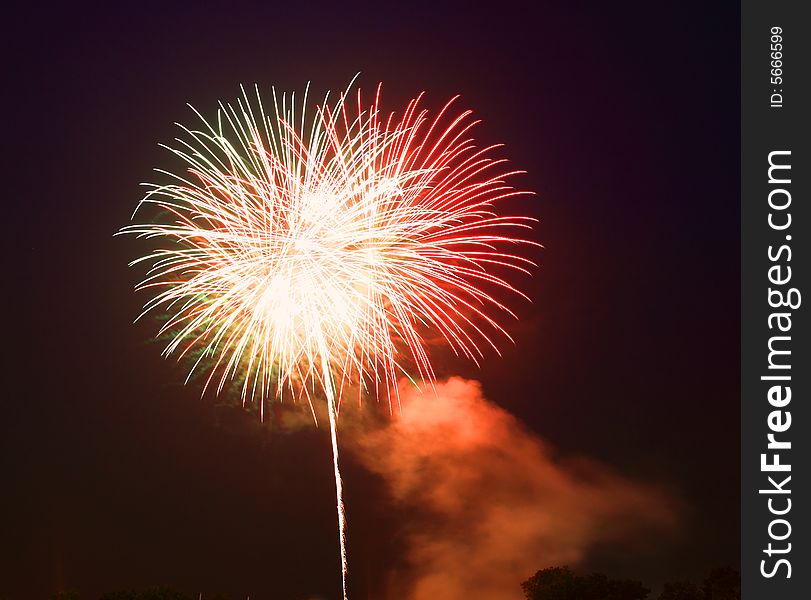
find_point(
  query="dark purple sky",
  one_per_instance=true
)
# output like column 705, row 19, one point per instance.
column 626, row 118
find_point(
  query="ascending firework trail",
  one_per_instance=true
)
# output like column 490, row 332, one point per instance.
column 296, row 254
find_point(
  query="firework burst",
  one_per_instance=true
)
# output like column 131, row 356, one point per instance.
column 314, row 255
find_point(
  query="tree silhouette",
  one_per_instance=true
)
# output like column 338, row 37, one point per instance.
column 554, row 583
column 560, row 583
column 722, row 584
column 681, row 590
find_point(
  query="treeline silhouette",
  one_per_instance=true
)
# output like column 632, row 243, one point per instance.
column 554, row 583
column 560, row 583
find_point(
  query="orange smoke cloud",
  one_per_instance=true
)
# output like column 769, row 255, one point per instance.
column 494, row 504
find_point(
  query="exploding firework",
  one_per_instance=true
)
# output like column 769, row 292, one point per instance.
column 315, row 254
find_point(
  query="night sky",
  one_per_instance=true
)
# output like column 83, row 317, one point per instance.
column 625, row 117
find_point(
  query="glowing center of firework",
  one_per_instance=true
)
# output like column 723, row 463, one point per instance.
column 318, row 206
column 306, row 300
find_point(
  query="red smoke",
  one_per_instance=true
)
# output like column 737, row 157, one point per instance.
column 495, row 505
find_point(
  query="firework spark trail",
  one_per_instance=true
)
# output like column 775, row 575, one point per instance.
column 339, row 488
column 317, row 254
